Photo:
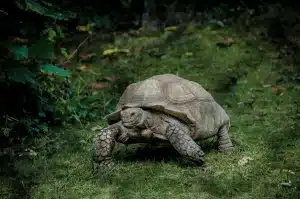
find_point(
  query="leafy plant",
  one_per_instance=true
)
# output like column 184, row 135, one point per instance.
column 29, row 79
column 45, row 9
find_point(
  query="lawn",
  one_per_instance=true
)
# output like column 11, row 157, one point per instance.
column 248, row 78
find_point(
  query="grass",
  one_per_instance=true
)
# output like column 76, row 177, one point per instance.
column 242, row 78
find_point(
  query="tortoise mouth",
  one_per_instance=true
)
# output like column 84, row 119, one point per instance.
column 135, row 122
column 128, row 124
column 132, row 117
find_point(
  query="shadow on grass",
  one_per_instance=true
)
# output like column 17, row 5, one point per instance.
column 142, row 153
column 189, row 179
column 17, row 182
column 19, row 172
column 165, row 153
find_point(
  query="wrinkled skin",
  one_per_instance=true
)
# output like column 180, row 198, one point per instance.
column 133, row 117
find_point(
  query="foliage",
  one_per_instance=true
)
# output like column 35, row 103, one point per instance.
column 22, row 69
column 39, row 90
column 30, row 80
column 45, row 8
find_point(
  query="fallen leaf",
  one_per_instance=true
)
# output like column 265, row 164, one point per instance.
column 289, row 171
column 83, row 55
column 64, row 65
column 171, row 28
column 94, row 103
column 228, row 41
column 31, row 152
column 86, row 56
column 20, row 40
column 188, row 54
column 191, row 28
column 82, row 68
column 84, row 28
column 245, row 160
column 266, row 85
column 276, row 90
column 96, row 128
column 112, row 78
column 83, row 141
column 137, row 50
column 97, row 85
column 114, row 51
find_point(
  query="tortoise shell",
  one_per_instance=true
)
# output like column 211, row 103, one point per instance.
column 185, row 100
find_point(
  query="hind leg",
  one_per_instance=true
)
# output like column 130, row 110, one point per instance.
column 224, row 141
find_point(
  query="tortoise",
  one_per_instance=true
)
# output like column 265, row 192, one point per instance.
column 166, row 108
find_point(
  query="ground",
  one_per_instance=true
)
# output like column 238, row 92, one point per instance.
column 248, row 78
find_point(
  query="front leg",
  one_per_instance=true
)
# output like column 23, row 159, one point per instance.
column 104, row 144
column 184, row 144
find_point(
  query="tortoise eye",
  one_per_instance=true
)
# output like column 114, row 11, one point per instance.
column 132, row 114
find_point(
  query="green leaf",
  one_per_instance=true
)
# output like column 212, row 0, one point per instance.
column 19, row 52
column 48, row 68
column 42, row 114
column 89, row 99
column 60, row 31
column 297, row 87
column 21, row 74
column 63, row 51
column 42, row 49
column 51, row 35
column 46, row 9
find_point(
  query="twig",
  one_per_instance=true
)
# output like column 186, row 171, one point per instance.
column 72, row 55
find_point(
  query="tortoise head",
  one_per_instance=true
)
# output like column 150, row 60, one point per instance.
column 133, row 117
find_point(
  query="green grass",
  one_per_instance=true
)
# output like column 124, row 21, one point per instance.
column 265, row 127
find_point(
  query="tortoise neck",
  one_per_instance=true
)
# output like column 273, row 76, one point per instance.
column 147, row 121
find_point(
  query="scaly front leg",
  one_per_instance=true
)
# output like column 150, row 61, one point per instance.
column 184, row 144
column 104, row 144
